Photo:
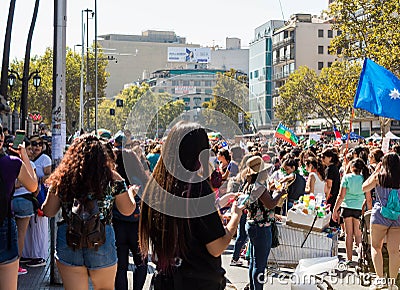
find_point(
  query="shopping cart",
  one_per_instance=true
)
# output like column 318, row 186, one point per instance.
column 296, row 244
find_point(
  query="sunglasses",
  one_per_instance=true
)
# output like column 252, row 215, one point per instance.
column 34, row 143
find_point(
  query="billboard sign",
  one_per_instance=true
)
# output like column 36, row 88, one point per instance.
column 189, row 54
column 184, row 90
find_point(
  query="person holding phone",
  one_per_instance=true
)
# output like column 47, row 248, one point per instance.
column 36, row 245
column 12, row 168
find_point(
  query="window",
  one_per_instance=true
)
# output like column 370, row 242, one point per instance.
column 330, row 34
column 175, row 83
column 161, row 90
column 251, row 75
column 339, row 32
column 329, row 64
column 207, row 83
column 197, row 83
column 185, row 82
column 320, row 65
column 320, row 33
column 198, row 91
column 320, row 49
column 173, row 91
column 208, row 91
column 256, row 74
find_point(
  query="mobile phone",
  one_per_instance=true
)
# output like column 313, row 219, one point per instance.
column 242, row 199
column 19, row 138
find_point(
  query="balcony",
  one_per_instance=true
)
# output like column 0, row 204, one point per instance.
column 285, row 42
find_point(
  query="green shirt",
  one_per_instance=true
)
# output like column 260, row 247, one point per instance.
column 354, row 197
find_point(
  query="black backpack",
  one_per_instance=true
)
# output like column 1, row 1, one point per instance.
column 84, row 227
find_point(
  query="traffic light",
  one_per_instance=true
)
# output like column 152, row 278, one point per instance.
column 112, row 112
column 120, row 103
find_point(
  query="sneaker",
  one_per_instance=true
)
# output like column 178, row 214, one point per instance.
column 22, row 271
column 236, row 263
column 24, row 260
column 37, row 263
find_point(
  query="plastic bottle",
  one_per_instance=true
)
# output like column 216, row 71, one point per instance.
column 311, row 204
column 306, row 200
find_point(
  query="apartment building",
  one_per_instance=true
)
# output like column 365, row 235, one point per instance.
column 260, row 74
column 303, row 41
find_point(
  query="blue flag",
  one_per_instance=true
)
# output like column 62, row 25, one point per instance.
column 378, row 91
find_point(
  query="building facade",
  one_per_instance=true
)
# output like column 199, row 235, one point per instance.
column 136, row 56
column 303, row 41
column 193, row 86
column 260, row 75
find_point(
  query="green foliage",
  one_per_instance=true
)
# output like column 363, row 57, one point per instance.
column 370, row 28
column 150, row 103
column 297, row 96
column 329, row 95
column 41, row 100
column 230, row 96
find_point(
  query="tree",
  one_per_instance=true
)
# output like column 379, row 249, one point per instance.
column 143, row 113
column 369, row 28
column 40, row 100
column 230, row 96
column 297, row 96
column 329, row 95
column 335, row 91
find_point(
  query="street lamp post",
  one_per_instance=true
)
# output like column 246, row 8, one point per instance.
column 24, row 102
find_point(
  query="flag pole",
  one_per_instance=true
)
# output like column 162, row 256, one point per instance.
column 350, row 129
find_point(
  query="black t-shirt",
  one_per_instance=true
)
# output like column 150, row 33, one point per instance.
column 200, row 265
column 297, row 188
column 333, row 174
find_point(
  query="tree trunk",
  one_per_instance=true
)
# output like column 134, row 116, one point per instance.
column 26, row 76
column 6, row 51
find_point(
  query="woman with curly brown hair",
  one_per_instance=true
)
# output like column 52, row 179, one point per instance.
column 87, row 173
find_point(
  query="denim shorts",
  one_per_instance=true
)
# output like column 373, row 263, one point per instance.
column 22, row 207
column 8, row 255
column 105, row 256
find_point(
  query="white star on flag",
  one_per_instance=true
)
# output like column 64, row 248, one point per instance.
column 394, row 94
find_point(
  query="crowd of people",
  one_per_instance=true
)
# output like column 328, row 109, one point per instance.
column 126, row 180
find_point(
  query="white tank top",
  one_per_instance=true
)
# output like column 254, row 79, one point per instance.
column 319, row 185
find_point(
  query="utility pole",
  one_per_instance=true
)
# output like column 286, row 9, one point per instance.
column 88, row 87
column 82, row 66
column 58, row 124
column 96, row 94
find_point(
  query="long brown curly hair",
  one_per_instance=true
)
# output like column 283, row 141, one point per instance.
column 85, row 168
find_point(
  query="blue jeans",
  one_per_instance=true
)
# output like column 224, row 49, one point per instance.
column 105, row 256
column 241, row 238
column 8, row 251
column 260, row 246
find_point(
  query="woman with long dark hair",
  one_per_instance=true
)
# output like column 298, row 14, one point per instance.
column 87, row 173
column 179, row 222
column 330, row 159
column 385, row 217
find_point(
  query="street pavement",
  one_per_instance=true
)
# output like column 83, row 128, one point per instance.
column 280, row 278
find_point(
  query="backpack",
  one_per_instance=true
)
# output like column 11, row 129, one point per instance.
column 84, row 227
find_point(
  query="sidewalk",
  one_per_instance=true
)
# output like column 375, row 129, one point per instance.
column 39, row 278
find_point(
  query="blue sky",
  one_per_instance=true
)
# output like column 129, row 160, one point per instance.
column 205, row 22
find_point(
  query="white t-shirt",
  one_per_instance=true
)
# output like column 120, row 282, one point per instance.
column 22, row 190
column 42, row 162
